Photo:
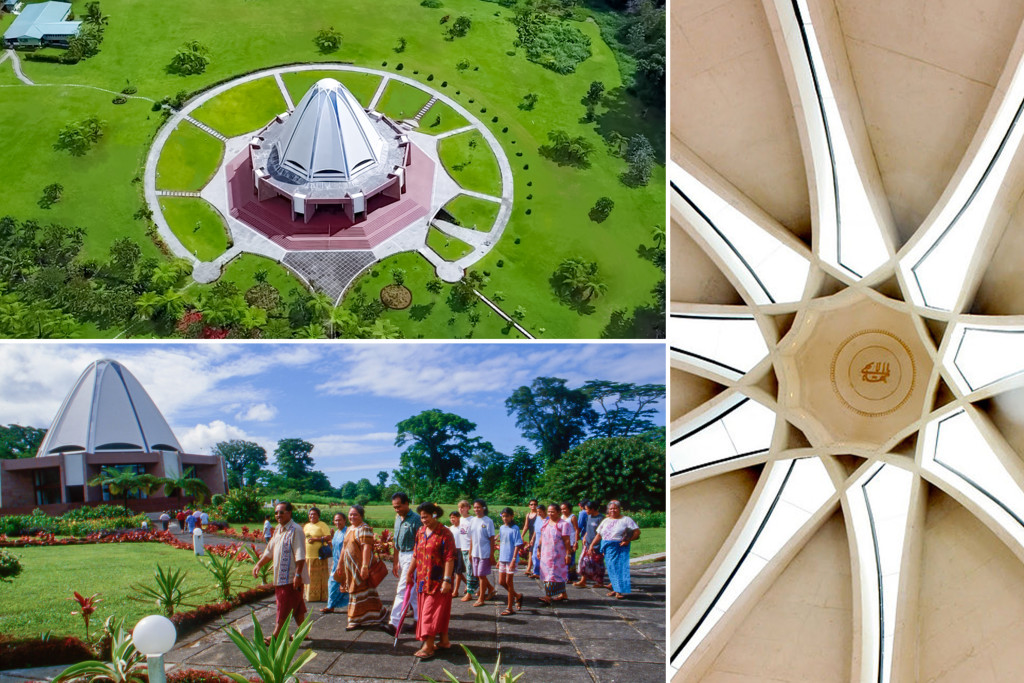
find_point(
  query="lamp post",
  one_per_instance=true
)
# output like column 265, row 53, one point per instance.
column 154, row 636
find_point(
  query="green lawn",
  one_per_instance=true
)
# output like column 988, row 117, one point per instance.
column 37, row 601
column 244, row 108
column 242, row 271
column 189, row 159
column 447, row 247
column 197, row 224
column 441, row 118
column 141, row 38
column 473, row 212
column 362, row 86
column 401, row 100
column 430, row 315
column 469, row 160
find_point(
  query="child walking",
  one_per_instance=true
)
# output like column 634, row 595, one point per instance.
column 460, row 566
column 510, row 544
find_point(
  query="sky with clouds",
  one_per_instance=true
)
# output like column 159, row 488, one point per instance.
column 345, row 398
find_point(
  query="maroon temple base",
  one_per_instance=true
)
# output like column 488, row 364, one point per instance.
column 328, row 229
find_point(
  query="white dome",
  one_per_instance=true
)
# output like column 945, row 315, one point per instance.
column 329, row 136
column 108, row 410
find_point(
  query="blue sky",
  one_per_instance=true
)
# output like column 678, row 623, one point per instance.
column 345, row 398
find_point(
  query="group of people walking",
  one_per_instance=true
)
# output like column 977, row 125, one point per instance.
column 432, row 561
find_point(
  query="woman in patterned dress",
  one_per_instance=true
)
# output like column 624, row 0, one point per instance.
column 555, row 555
column 364, row 607
column 432, row 566
column 615, row 533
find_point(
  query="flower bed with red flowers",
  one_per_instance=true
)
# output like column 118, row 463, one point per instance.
column 245, row 534
column 29, row 652
column 200, row 676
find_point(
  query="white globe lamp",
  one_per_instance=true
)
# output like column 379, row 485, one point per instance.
column 154, row 636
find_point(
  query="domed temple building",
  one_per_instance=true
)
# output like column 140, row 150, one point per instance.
column 107, row 420
column 847, row 341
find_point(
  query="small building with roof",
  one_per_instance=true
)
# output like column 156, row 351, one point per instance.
column 107, row 420
column 42, row 24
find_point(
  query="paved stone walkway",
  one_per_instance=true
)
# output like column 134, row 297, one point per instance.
column 590, row 639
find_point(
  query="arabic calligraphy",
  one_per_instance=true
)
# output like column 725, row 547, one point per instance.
column 875, row 371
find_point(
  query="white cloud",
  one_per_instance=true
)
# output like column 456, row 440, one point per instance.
column 260, row 412
column 203, row 437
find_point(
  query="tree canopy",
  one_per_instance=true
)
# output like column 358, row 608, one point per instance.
column 292, row 458
column 243, row 459
column 631, row 469
column 551, row 415
column 17, row 441
column 439, row 445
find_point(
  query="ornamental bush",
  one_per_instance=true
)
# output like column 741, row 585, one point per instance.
column 630, row 469
column 10, row 566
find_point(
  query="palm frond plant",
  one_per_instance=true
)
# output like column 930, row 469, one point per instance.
column 480, row 674
column 126, row 665
column 185, row 485
column 264, row 571
column 125, row 481
column 223, row 569
column 276, row 661
column 168, row 591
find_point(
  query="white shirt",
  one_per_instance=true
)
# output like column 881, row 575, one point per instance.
column 616, row 529
column 462, row 538
column 481, row 531
column 457, row 534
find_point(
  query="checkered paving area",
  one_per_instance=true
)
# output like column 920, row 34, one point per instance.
column 329, row 271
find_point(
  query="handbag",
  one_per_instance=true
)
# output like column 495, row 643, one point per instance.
column 378, row 572
column 325, row 553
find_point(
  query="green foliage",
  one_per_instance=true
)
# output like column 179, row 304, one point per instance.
column 624, row 408
column 433, row 4
column 551, row 414
column 126, row 665
column 84, row 45
column 78, row 138
column 576, row 282
column 168, row 591
column 400, row 46
column 529, row 101
column 10, row 566
column 641, row 158
column 481, row 674
column 244, row 504
column 243, row 459
column 595, row 93
column 459, row 28
column 550, row 42
column 223, row 568
column 293, row 459
column 51, row 195
column 191, row 58
column 276, row 662
column 439, row 445
column 568, row 150
column 19, row 442
column 125, row 482
column 602, row 209
column 328, row 40
column 184, row 484
column 631, row 469
column 398, row 276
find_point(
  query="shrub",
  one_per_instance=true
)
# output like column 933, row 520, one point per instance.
column 327, row 40
column 430, row 77
column 191, row 58
column 196, row 676
column 51, row 195
column 129, row 90
column 244, row 504
column 120, row 99
column 601, row 209
column 78, row 138
column 550, row 42
column 500, row 263
column 444, row 84
column 460, row 27
column 10, row 566
column 399, row 67
column 433, row 4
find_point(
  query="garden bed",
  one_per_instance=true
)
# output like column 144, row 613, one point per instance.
column 396, row 297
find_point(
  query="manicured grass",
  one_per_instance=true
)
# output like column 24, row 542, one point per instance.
column 189, row 159
column 197, row 224
column 242, row 271
column 473, row 212
column 651, row 541
column 141, row 39
column 447, row 247
column 244, row 108
column 469, row 160
column 441, row 118
column 362, row 86
column 37, row 601
column 401, row 100
column 430, row 315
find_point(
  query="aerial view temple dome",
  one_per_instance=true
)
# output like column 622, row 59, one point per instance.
column 106, row 420
column 330, row 151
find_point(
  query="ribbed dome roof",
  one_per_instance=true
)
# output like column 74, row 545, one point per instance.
column 108, row 410
column 329, row 136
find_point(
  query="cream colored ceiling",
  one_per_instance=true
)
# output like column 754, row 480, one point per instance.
column 915, row 80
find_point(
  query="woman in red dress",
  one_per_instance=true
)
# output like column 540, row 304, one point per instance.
column 432, row 566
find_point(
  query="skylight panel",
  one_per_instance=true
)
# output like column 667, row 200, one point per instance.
column 735, row 428
column 728, row 346
column 984, row 354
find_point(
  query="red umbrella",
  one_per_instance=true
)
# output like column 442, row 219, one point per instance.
column 406, row 599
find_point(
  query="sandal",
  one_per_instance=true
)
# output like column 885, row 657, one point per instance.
column 620, row 596
column 424, row 656
column 478, row 603
column 352, row 627
column 519, row 601
column 326, row 610
column 506, row 613
column 545, row 601
column 611, row 594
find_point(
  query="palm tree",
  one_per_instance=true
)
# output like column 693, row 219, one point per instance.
column 320, row 306
column 185, row 484
column 124, row 482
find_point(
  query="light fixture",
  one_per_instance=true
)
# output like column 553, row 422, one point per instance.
column 154, row 636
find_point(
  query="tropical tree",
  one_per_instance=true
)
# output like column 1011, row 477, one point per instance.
column 243, row 460
column 185, row 484
column 191, row 58
column 567, row 149
column 384, row 329
column 17, row 441
column 94, row 15
column 552, row 415
column 624, row 408
column 576, row 281
column 641, row 158
column 439, row 444
column 293, row 459
column 328, row 40
column 124, row 482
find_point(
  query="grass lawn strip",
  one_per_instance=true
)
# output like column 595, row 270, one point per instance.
column 447, row 247
column 470, row 161
column 401, row 100
column 473, row 213
column 242, row 271
column 197, row 225
column 362, row 86
column 244, row 108
column 189, row 159
column 441, row 118
column 50, row 575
